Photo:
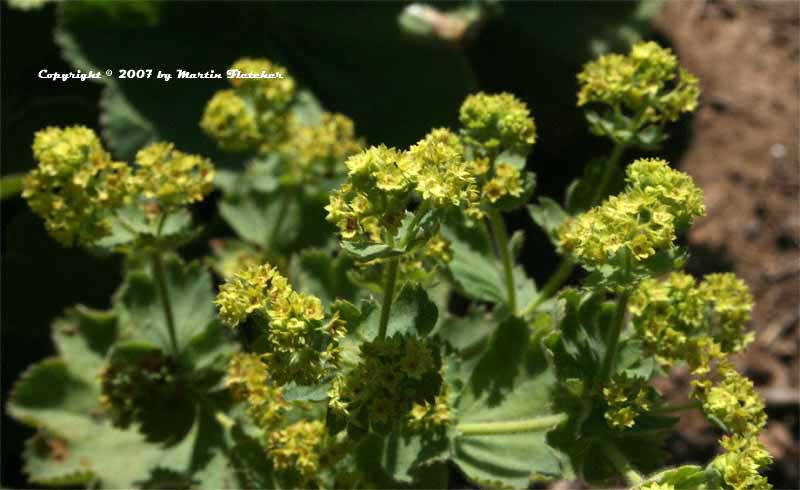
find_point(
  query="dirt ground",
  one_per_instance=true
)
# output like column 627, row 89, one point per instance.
column 744, row 154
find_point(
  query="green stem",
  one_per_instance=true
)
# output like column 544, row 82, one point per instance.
column 610, row 170
column 551, row 286
column 612, row 343
column 501, row 243
column 286, row 199
column 420, row 213
column 536, row 424
column 691, row 405
column 158, row 273
column 622, row 465
column 567, row 265
column 11, row 185
column 388, row 291
column 161, row 221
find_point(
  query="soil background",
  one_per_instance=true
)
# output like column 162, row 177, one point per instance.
column 741, row 147
column 743, row 152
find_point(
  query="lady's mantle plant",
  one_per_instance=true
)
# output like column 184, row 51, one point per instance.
column 343, row 365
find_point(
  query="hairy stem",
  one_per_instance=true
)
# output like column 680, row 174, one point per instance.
column 161, row 283
column 501, row 243
column 622, row 465
column 610, row 170
column 536, row 424
column 388, row 290
column 612, row 344
column 551, row 286
column 567, row 264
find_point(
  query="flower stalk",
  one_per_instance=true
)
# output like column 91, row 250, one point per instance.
column 388, row 291
column 161, row 284
column 501, row 243
column 622, row 465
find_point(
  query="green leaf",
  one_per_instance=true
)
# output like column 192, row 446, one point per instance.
column 74, row 442
column 229, row 255
column 11, row 185
column 48, row 394
column 504, row 413
column 516, row 243
column 131, row 228
column 191, row 297
column 633, row 361
column 84, row 337
column 581, row 192
column 400, row 454
column 525, row 288
column 687, row 477
column 581, row 336
column 210, row 349
column 509, row 203
column 549, row 215
column 476, row 274
column 369, row 251
column 124, row 127
column 315, row 393
column 412, row 313
column 426, row 226
column 318, row 272
column 260, row 218
column 467, row 333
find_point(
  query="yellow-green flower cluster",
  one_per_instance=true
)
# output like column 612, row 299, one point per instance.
column 318, row 151
column 678, row 319
column 300, row 346
column 734, row 402
column 741, row 463
column 656, row 486
column 231, row 121
column 391, row 378
column 507, row 181
column 627, row 398
column 677, row 190
column 75, row 185
column 496, row 122
column 382, row 181
column 732, row 304
column 646, row 82
column 252, row 116
column 643, row 219
column 247, row 379
column 171, row 178
column 297, row 448
column 437, row 167
column 374, row 197
column 426, row 417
